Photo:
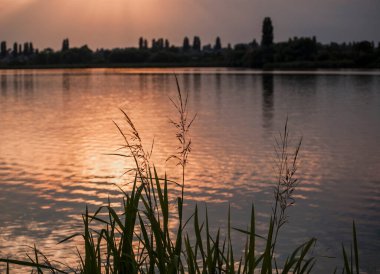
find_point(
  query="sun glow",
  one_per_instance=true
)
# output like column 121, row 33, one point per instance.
column 98, row 23
column 13, row 7
column 94, row 22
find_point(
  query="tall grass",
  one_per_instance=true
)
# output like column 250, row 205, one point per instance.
column 148, row 234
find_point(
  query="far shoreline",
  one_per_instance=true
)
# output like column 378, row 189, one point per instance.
column 270, row 67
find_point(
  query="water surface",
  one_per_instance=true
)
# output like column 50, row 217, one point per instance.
column 56, row 130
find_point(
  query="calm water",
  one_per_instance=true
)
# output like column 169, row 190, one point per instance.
column 56, row 129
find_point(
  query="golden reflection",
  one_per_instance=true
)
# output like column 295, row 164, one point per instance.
column 57, row 134
column 73, row 159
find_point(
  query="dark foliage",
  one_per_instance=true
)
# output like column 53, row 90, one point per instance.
column 297, row 52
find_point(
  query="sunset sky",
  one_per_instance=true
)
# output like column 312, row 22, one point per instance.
column 119, row 23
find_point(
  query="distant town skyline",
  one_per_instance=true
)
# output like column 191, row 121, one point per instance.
column 120, row 23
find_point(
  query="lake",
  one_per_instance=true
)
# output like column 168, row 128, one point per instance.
column 57, row 134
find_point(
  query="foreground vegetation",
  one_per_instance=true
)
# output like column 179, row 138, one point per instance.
column 149, row 234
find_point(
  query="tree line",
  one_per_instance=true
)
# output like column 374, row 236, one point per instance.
column 297, row 52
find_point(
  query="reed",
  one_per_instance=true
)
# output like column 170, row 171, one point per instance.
column 139, row 237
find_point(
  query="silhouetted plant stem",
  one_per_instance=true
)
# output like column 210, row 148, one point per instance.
column 182, row 125
column 286, row 183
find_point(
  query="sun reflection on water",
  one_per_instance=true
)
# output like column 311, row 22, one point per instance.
column 57, row 135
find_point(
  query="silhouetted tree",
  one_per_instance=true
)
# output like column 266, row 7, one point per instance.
column 128, row 55
column 267, row 41
column 154, row 44
column 186, row 44
column 65, row 44
column 145, row 44
column 3, row 50
column 267, row 33
column 31, row 48
column 207, row 48
column 363, row 53
column 82, row 55
column 197, row 43
column 254, row 44
column 141, row 43
column 15, row 49
column 164, row 56
column 160, row 43
column 19, row 49
column 26, row 49
column 167, row 45
column 218, row 44
column 302, row 49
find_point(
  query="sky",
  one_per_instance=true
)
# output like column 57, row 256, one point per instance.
column 119, row 23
